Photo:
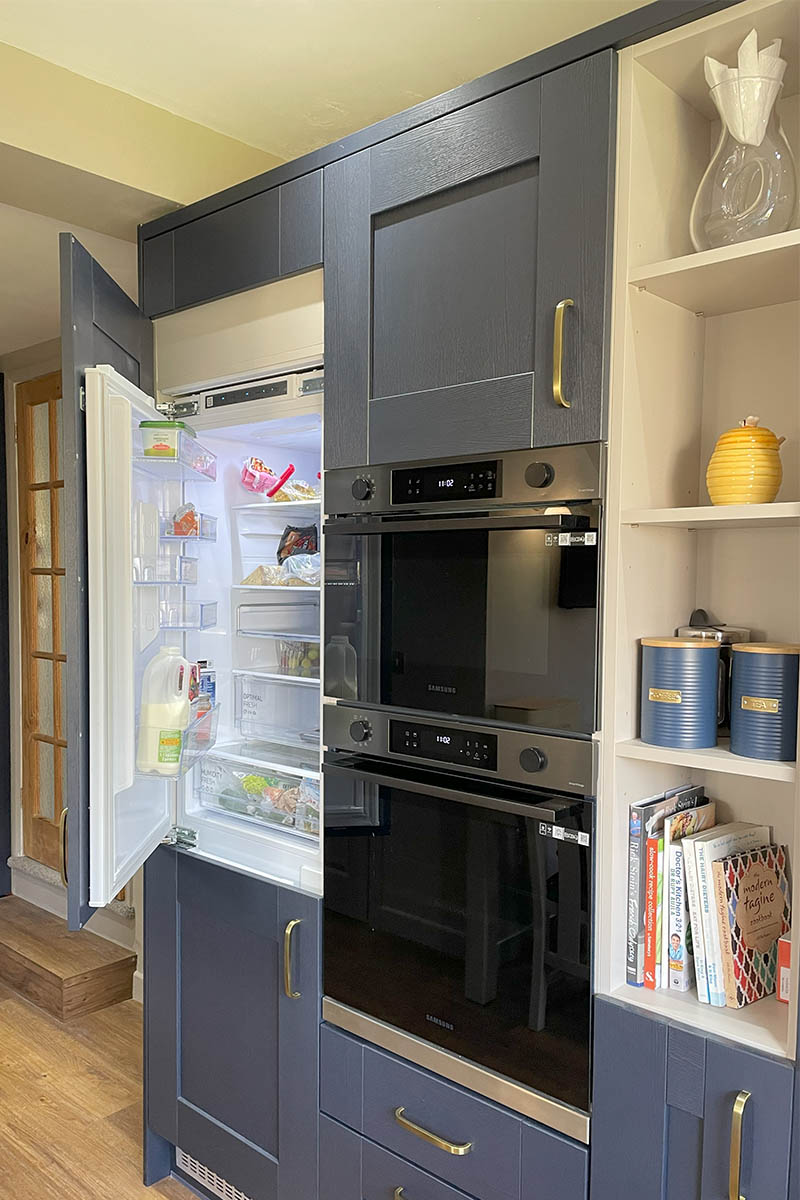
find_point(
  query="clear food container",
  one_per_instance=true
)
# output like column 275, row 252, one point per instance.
column 204, row 529
column 259, row 793
column 178, row 569
column 280, row 710
column 187, row 614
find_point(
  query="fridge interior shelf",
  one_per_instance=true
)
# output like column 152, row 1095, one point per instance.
column 274, row 756
column 185, row 460
column 283, row 677
column 274, row 587
column 274, row 508
column 178, row 569
column 259, row 620
column 184, row 749
column 188, row 614
column 206, row 530
column 259, row 793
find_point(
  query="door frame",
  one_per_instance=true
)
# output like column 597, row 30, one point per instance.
column 5, row 663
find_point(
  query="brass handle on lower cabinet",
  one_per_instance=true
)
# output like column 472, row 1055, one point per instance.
column 735, row 1171
column 62, row 847
column 558, row 353
column 287, row 960
column 398, row 1193
column 439, row 1142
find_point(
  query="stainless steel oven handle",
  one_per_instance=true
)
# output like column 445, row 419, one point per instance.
column 408, row 781
column 558, row 521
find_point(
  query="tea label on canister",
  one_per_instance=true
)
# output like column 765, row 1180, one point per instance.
column 760, row 704
column 664, row 696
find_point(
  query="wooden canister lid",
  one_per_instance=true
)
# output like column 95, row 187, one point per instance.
column 674, row 643
column 767, row 647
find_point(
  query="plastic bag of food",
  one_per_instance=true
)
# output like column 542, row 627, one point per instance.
column 298, row 539
column 257, row 477
column 299, row 570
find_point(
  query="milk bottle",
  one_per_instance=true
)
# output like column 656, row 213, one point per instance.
column 165, row 712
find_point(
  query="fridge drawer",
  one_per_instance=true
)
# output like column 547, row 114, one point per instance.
column 257, row 792
column 282, row 710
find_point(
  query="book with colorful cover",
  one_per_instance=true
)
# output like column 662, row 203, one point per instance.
column 720, row 842
column 650, row 911
column 677, row 948
column 753, row 911
column 675, row 800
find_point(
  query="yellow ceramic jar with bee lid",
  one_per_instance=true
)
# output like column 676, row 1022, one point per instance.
column 745, row 467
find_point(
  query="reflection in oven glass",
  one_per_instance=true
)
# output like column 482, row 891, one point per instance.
column 468, row 928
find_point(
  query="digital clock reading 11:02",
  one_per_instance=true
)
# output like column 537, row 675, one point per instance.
column 447, row 483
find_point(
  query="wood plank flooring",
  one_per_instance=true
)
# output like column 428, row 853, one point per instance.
column 71, row 1104
column 65, row 973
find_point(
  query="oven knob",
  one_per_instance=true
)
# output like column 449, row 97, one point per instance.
column 362, row 488
column 539, row 475
column 360, row 731
column 532, row 760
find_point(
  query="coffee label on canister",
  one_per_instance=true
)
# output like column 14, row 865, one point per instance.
column 762, row 704
column 664, row 696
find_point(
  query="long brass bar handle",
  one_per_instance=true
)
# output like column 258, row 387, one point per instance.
column 62, row 847
column 558, row 353
column 735, row 1171
column 439, row 1142
column 287, row 960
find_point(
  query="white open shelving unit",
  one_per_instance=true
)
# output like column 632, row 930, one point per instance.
column 699, row 342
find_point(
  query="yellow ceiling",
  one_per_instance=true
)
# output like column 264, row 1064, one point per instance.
column 288, row 76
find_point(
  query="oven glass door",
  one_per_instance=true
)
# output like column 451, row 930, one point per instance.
column 465, row 617
column 465, row 924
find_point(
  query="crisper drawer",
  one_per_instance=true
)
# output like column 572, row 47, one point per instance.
column 283, row 710
column 253, row 790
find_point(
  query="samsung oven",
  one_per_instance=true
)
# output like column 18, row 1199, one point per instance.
column 458, row 928
column 465, row 589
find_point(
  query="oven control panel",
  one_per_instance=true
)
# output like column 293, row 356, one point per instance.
column 446, row 482
column 443, row 743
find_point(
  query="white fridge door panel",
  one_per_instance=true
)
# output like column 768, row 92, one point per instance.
column 128, row 815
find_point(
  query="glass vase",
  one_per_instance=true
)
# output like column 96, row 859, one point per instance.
column 749, row 190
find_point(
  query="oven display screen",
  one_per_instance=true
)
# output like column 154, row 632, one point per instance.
column 444, row 745
column 454, row 481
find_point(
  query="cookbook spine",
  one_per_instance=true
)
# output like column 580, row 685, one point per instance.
column 708, row 915
column 634, row 973
column 698, row 939
column 650, row 912
column 723, row 923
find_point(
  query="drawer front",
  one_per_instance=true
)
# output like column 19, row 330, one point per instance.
column 339, row 1162
column 489, row 1169
column 553, row 1167
column 387, row 1177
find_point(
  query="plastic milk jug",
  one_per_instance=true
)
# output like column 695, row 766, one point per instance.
column 165, row 712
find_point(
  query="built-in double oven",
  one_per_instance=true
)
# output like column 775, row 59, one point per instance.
column 461, row 651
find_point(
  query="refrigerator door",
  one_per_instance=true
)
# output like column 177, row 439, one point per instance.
column 99, row 324
column 129, row 815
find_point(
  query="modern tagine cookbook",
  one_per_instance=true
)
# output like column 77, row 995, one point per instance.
column 753, row 909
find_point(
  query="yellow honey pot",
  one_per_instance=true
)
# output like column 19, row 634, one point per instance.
column 745, row 467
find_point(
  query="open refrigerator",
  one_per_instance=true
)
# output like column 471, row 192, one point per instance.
column 171, row 540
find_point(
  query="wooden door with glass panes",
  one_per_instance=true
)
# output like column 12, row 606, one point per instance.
column 41, row 538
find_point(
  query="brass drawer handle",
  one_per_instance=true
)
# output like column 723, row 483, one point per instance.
column 558, row 353
column 287, row 960
column 62, row 847
column 398, row 1193
column 735, row 1172
column 439, row 1142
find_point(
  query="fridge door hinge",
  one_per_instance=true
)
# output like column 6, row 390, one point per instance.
column 186, row 839
column 82, row 399
column 311, row 384
column 176, row 410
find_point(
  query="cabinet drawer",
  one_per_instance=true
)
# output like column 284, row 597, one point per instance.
column 488, row 1169
column 382, row 1173
column 553, row 1167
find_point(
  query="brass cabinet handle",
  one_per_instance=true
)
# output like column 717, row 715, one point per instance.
column 62, row 847
column 558, row 353
column 398, row 1193
column 439, row 1142
column 287, row 960
column 735, row 1171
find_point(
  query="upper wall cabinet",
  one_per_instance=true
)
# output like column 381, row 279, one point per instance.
column 449, row 253
column 269, row 235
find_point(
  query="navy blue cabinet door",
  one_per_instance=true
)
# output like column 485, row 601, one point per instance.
column 663, row 1113
column 231, row 1039
column 447, row 252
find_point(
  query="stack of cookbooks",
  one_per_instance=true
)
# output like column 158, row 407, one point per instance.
column 707, row 903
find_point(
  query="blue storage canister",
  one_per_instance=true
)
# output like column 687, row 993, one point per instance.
column 764, row 700
column 680, row 692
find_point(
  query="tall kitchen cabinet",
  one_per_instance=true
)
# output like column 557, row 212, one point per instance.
column 690, row 1100
column 466, row 277
column 232, row 960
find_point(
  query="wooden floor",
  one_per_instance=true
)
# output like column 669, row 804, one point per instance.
column 70, row 1105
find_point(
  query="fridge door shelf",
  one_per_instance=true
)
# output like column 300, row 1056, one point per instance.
column 177, row 570
column 259, row 794
column 182, row 750
column 185, row 460
column 187, row 614
column 206, row 531
column 270, row 711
